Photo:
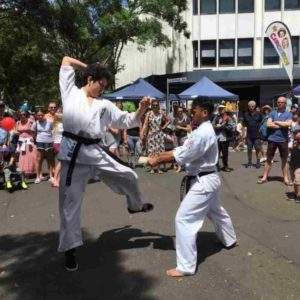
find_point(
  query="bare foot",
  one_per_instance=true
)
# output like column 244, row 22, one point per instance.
column 175, row 273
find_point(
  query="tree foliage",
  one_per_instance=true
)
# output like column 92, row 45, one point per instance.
column 36, row 34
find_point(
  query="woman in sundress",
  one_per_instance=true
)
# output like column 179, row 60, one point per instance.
column 152, row 132
column 26, row 147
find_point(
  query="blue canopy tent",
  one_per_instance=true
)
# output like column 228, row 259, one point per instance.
column 296, row 90
column 207, row 88
column 136, row 91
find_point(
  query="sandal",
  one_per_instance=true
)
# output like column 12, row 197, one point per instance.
column 288, row 183
column 262, row 181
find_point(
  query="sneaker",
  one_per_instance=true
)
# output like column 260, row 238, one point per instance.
column 145, row 208
column 24, row 185
column 297, row 200
column 70, row 261
column 226, row 169
column 258, row 165
column 248, row 165
column 8, row 185
column 37, row 181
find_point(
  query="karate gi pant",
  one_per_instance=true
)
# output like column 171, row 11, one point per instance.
column 189, row 219
column 119, row 178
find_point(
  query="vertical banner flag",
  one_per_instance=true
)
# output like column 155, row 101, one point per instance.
column 280, row 37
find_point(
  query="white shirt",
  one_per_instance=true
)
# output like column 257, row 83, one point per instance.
column 57, row 133
column 88, row 120
column 199, row 153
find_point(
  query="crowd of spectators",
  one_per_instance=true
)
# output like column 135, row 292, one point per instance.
column 37, row 138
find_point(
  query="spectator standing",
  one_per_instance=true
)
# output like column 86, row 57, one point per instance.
column 278, row 124
column 57, row 137
column 52, row 109
column 240, row 136
column 252, row 120
column 132, row 140
column 152, row 132
column 295, row 164
column 44, row 144
column 263, row 130
column 26, row 147
column 181, row 123
column 224, row 127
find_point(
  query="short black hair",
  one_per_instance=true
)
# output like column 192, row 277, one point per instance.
column 97, row 72
column 204, row 103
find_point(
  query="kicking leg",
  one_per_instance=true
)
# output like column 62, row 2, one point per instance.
column 123, row 180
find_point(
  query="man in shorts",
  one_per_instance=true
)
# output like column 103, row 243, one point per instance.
column 278, row 124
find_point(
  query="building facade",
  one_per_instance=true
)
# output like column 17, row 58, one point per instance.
column 227, row 44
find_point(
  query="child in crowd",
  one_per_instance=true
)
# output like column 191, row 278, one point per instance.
column 8, row 164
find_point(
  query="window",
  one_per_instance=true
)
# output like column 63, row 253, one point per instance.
column 195, row 54
column 270, row 54
column 208, row 6
column 226, row 6
column 195, row 7
column 226, row 52
column 291, row 4
column 295, row 43
column 208, row 53
column 246, row 6
column 271, row 5
column 245, row 52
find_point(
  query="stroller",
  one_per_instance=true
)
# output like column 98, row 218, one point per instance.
column 11, row 178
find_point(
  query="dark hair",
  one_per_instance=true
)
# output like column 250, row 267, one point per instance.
column 282, row 30
column 203, row 103
column 97, row 72
column 41, row 110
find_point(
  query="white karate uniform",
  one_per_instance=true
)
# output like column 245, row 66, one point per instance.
column 199, row 153
column 89, row 120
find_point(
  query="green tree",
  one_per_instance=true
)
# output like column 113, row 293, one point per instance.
column 36, row 34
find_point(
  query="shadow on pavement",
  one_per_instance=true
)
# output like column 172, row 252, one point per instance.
column 207, row 245
column 128, row 238
column 34, row 270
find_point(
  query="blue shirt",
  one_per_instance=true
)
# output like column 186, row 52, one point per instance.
column 279, row 135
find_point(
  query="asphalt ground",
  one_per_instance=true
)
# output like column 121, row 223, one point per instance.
column 126, row 256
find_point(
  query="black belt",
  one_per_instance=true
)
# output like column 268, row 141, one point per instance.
column 85, row 141
column 187, row 180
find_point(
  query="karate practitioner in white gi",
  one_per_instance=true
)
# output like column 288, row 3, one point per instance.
column 85, row 120
column 199, row 156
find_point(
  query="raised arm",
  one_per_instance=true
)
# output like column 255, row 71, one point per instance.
column 67, row 76
column 123, row 120
column 74, row 63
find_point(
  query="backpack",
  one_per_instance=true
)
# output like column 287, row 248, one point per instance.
column 263, row 129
